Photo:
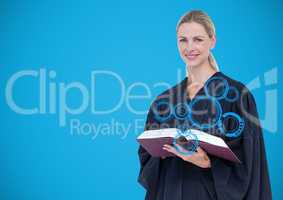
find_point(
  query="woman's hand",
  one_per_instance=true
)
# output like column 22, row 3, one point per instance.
column 198, row 158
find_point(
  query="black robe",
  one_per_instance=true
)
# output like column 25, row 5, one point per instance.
column 174, row 179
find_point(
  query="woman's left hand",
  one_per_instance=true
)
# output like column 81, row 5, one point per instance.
column 198, row 158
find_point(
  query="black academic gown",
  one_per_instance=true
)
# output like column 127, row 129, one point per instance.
column 174, row 179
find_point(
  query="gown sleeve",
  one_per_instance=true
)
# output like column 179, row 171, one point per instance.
column 149, row 166
column 248, row 180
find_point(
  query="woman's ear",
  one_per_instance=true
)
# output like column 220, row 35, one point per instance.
column 213, row 42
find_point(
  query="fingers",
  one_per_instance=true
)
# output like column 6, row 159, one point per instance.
column 173, row 150
column 199, row 158
column 169, row 148
column 181, row 149
column 202, row 154
column 200, row 150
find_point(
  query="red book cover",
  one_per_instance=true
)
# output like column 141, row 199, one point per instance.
column 153, row 141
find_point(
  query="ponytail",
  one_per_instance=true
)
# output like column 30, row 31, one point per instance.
column 213, row 62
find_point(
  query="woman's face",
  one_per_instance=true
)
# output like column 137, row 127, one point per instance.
column 194, row 44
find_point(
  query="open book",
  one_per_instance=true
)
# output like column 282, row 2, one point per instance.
column 153, row 141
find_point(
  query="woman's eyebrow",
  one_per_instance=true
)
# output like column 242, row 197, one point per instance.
column 199, row 36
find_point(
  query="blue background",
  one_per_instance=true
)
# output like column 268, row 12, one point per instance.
column 135, row 39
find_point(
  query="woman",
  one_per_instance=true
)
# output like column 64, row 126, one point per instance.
column 200, row 175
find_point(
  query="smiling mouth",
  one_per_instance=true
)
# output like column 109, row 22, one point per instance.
column 192, row 56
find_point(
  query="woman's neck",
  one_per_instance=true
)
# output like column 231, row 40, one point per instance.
column 199, row 74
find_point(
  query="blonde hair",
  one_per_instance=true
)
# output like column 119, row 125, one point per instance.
column 203, row 19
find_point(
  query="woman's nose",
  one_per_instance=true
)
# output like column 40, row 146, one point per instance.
column 190, row 46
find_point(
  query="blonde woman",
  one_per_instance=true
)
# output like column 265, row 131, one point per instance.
column 199, row 175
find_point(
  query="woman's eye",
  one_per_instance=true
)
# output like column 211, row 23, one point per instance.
column 182, row 40
column 198, row 40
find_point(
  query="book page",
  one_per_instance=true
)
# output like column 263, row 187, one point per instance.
column 205, row 137
column 167, row 132
column 172, row 132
